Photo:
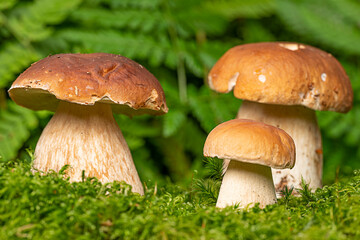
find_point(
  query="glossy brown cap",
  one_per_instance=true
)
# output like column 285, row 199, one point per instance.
column 283, row 73
column 89, row 78
column 252, row 142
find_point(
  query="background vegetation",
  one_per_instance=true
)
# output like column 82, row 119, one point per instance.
column 178, row 41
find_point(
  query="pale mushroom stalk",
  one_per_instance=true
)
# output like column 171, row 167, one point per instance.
column 301, row 124
column 246, row 184
column 87, row 138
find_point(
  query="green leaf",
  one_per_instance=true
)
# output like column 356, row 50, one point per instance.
column 130, row 19
column 242, row 8
column 322, row 24
column 30, row 22
column 14, row 57
column 173, row 121
column 15, row 125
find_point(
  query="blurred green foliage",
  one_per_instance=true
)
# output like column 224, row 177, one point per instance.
column 178, row 41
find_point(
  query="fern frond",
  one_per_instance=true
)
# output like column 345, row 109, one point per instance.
column 173, row 120
column 30, row 20
column 211, row 109
column 254, row 31
column 322, row 24
column 224, row 106
column 141, row 126
column 129, row 19
column 175, row 157
column 192, row 61
column 242, row 8
column 210, row 51
column 141, row 4
column 143, row 47
column 14, row 58
column 193, row 138
column 202, row 111
column 30, row 116
column 189, row 18
column 15, row 126
column 135, row 46
column 348, row 8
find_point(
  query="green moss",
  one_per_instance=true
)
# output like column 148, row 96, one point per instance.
column 48, row 207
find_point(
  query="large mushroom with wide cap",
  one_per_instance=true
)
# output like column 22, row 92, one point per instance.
column 84, row 90
column 282, row 84
column 251, row 148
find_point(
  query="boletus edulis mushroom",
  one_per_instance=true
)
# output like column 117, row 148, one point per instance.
column 282, row 84
column 84, row 90
column 251, row 148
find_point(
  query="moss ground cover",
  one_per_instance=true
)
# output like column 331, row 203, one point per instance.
column 49, row 207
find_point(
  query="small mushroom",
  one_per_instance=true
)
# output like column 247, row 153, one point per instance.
column 282, row 83
column 251, row 148
column 85, row 90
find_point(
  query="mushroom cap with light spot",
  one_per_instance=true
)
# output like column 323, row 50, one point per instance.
column 87, row 79
column 252, row 142
column 283, row 73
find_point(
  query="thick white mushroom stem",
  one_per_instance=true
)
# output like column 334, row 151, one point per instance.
column 87, row 138
column 301, row 124
column 246, row 184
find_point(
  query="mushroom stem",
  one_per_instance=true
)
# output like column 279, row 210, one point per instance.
column 246, row 184
column 87, row 138
column 301, row 124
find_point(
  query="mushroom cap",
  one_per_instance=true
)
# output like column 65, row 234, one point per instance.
column 283, row 73
column 87, row 79
column 251, row 142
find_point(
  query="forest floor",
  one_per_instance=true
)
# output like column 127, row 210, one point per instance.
column 49, row 207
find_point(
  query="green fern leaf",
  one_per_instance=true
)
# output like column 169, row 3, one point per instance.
column 348, row 8
column 129, row 19
column 242, row 8
column 188, row 19
column 173, row 121
column 31, row 19
column 322, row 24
column 203, row 112
column 193, row 138
column 14, row 58
column 256, row 32
column 29, row 115
column 175, row 157
column 192, row 61
column 127, row 44
column 140, row 126
column 15, row 126
column 211, row 108
column 141, row 4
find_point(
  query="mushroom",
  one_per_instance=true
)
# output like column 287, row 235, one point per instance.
column 282, row 84
column 84, row 90
column 251, row 148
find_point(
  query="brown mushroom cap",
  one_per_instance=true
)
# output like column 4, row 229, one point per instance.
column 283, row 73
column 89, row 78
column 252, row 142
